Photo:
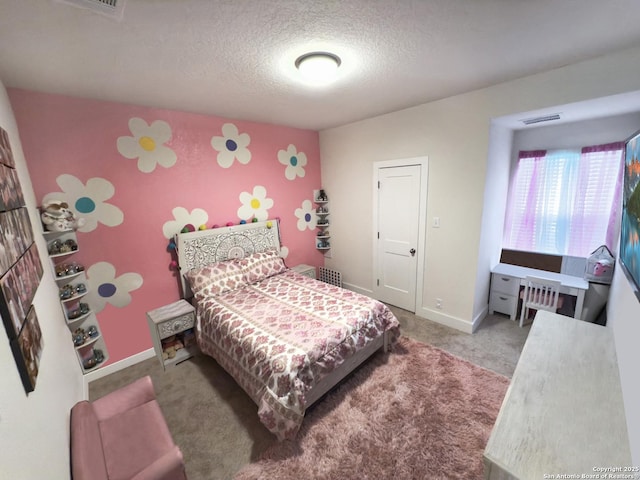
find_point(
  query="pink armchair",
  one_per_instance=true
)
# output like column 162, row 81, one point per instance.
column 123, row 435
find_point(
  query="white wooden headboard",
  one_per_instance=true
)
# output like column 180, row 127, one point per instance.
column 204, row 247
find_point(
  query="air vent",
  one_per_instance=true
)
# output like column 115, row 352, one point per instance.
column 546, row 118
column 111, row 8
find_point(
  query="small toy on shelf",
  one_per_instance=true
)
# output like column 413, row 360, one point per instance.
column 170, row 346
column 83, row 309
column 58, row 217
column 322, row 196
column 66, row 292
column 78, row 336
column 96, row 357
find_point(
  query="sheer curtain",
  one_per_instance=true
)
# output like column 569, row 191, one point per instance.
column 565, row 202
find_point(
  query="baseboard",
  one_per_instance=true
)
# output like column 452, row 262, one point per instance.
column 115, row 367
column 477, row 321
column 434, row 315
column 447, row 320
column 357, row 289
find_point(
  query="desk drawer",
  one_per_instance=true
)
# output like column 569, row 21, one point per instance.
column 503, row 303
column 505, row 284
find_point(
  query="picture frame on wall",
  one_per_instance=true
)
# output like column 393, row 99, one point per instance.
column 630, row 223
column 10, row 192
column 18, row 287
column 6, row 155
column 27, row 350
column 20, row 271
column 16, row 236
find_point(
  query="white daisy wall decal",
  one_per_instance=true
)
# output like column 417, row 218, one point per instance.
column 147, row 145
column 295, row 162
column 182, row 218
column 255, row 204
column 284, row 251
column 231, row 145
column 105, row 287
column 306, row 215
column 88, row 201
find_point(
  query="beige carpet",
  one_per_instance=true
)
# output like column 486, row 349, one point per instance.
column 417, row 413
column 216, row 425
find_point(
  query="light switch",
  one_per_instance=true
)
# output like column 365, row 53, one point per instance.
column 436, row 222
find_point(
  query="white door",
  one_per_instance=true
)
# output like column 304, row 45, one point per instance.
column 398, row 228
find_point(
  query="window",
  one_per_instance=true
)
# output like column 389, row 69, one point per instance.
column 565, row 202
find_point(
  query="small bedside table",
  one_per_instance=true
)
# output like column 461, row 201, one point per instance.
column 306, row 270
column 177, row 319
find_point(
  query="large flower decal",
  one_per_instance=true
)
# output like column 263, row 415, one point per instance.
column 255, row 205
column 182, row 218
column 307, row 217
column 105, row 287
column 147, row 145
column 88, row 201
column 231, row 145
column 294, row 160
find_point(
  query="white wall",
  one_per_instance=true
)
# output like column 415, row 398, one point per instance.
column 455, row 134
column 596, row 131
column 34, row 429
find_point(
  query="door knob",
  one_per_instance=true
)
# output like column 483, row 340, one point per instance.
column 412, row 252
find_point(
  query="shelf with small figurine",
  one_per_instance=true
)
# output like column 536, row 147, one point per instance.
column 60, row 226
column 322, row 223
column 70, row 292
column 83, row 337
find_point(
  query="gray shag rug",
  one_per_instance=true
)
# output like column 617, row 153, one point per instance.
column 416, row 413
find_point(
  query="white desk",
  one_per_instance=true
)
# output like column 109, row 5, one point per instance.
column 506, row 280
column 563, row 412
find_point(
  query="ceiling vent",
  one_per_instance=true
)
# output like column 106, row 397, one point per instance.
column 545, row 118
column 110, row 8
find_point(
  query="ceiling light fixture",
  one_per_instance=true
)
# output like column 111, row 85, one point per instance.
column 318, row 68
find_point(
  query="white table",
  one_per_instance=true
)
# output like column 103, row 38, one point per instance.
column 563, row 412
column 502, row 278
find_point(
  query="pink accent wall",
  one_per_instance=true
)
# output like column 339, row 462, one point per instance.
column 66, row 135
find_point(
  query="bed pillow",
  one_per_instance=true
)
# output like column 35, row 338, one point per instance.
column 216, row 278
column 261, row 265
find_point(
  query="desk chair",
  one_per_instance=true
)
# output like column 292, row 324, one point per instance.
column 540, row 294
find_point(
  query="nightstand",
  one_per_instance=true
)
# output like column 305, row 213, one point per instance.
column 306, row 270
column 177, row 319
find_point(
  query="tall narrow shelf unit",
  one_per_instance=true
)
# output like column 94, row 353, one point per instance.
column 71, row 280
column 322, row 213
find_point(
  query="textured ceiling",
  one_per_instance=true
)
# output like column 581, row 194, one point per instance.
column 234, row 58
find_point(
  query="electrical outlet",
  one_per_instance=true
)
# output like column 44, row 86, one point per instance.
column 439, row 303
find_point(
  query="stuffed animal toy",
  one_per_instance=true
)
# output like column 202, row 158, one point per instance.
column 58, row 217
column 169, row 352
column 170, row 346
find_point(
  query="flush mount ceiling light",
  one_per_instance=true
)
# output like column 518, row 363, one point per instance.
column 318, row 68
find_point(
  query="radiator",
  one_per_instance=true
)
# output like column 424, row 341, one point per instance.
column 330, row 276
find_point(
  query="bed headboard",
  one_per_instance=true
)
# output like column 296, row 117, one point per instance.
column 204, row 247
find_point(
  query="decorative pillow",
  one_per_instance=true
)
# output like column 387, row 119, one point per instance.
column 261, row 265
column 216, row 278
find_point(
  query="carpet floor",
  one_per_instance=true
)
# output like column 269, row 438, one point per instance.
column 216, row 425
column 416, row 413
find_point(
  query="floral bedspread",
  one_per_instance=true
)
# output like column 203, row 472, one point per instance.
column 280, row 336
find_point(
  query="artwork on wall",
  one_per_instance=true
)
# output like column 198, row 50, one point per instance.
column 27, row 350
column 20, row 271
column 630, row 228
column 18, row 287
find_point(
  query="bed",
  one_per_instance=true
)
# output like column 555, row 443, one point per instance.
column 284, row 337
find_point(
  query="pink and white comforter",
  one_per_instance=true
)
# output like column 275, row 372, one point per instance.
column 280, row 336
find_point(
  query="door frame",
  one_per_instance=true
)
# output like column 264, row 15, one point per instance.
column 423, row 161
